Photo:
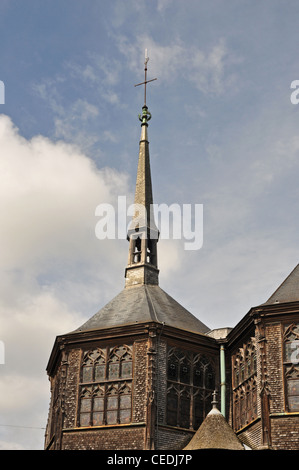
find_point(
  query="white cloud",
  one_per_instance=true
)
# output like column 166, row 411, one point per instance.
column 162, row 5
column 71, row 122
column 50, row 258
column 48, row 194
column 99, row 70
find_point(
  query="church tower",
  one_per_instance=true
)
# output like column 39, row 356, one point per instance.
column 140, row 373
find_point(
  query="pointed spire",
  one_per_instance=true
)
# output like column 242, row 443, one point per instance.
column 143, row 234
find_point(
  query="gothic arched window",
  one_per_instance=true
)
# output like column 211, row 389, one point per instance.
column 93, row 366
column 105, row 396
column 191, row 382
column 120, row 363
column 172, row 406
column 291, row 365
column 244, row 385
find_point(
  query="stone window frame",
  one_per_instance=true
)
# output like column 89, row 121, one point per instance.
column 105, row 389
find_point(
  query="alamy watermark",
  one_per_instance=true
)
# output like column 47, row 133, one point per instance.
column 295, row 354
column 179, row 222
column 2, row 92
column 295, row 94
column 2, row 353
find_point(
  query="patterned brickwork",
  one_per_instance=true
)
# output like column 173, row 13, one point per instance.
column 71, row 388
column 118, row 438
column 285, row 433
column 139, row 383
column 274, row 367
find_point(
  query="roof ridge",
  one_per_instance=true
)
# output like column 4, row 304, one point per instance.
column 150, row 300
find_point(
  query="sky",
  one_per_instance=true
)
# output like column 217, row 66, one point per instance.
column 224, row 134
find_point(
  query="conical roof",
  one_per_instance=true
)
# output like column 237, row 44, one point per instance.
column 143, row 303
column 288, row 291
column 215, row 433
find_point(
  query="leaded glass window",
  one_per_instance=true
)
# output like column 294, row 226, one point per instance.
column 172, row 406
column 291, row 365
column 120, row 363
column 191, row 382
column 106, row 386
column 244, row 372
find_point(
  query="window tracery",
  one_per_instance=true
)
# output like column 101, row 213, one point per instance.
column 244, row 372
column 191, row 382
column 106, row 386
column 291, row 365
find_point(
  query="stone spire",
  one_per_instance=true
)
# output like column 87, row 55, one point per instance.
column 143, row 234
column 142, row 300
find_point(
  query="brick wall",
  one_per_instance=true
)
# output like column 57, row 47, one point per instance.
column 117, row 438
column 274, row 367
column 71, row 388
column 285, row 432
column 139, row 382
column 161, row 380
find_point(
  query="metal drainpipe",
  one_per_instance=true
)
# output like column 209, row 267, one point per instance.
column 222, row 378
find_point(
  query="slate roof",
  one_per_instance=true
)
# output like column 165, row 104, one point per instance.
column 140, row 304
column 215, row 433
column 288, row 291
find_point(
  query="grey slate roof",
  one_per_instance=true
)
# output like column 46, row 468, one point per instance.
column 215, row 433
column 140, row 304
column 288, row 291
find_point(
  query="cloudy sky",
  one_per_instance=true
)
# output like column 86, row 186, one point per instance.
column 224, row 133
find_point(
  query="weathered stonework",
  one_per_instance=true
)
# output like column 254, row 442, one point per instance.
column 118, row 438
column 140, row 378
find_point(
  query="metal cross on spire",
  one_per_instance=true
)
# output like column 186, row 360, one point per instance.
column 145, row 115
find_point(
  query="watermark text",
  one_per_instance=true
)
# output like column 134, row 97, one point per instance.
column 2, row 92
column 295, row 353
column 2, row 353
column 178, row 222
column 295, row 94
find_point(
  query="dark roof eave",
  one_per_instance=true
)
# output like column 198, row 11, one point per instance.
column 129, row 330
column 264, row 310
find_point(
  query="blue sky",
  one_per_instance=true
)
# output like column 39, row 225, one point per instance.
column 223, row 133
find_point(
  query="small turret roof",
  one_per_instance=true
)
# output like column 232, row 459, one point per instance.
column 215, row 433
